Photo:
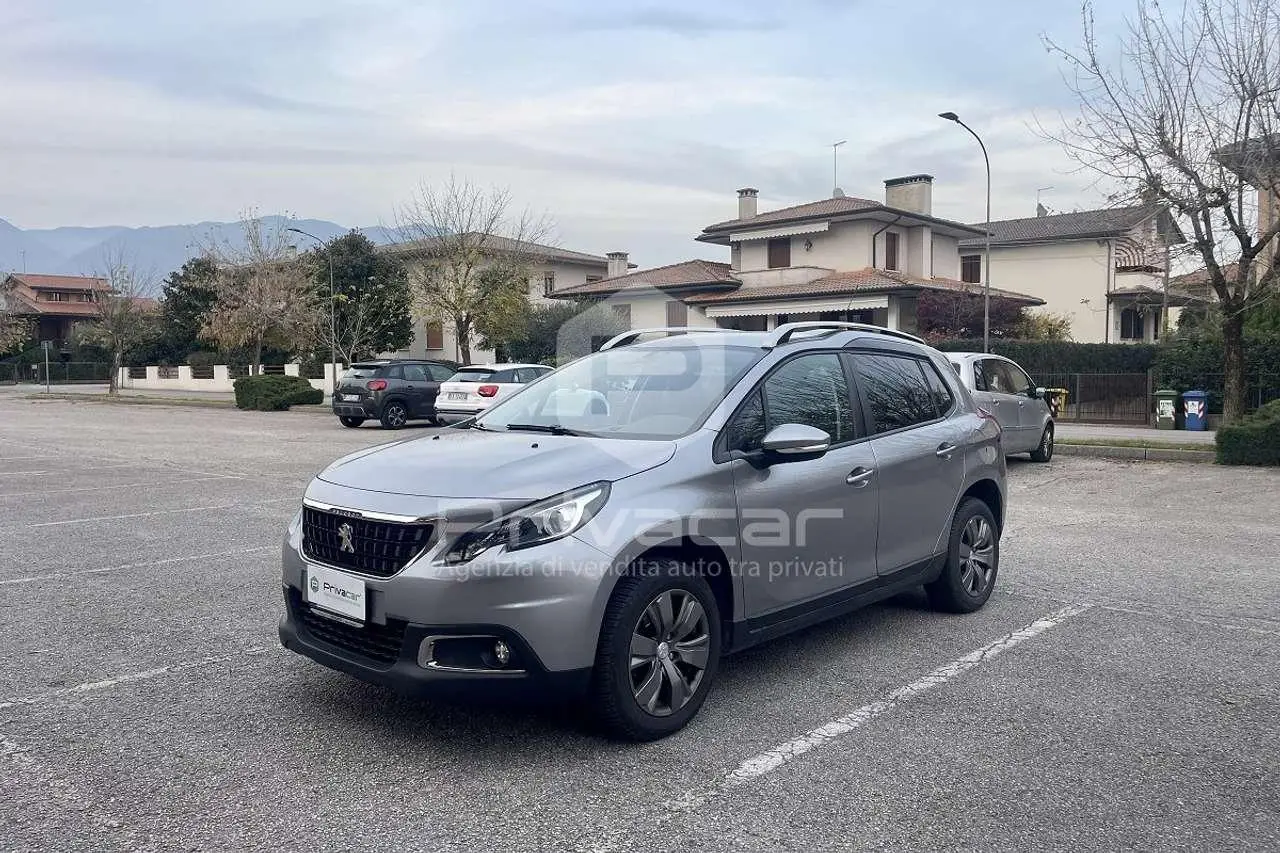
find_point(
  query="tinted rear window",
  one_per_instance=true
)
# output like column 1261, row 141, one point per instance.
column 364, row 371
column 471, row 376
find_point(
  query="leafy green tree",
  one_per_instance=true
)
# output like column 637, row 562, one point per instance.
column 536, row 342
column 370, row 299
column 187, row 296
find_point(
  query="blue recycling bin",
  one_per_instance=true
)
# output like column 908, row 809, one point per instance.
column 1196, row 404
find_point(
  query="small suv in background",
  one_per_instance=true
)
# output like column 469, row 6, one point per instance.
column 1005, row 390
column 616, row 527
column 476, row 387
column 392, row 391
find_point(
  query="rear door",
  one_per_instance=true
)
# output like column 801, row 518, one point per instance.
column 919, row 454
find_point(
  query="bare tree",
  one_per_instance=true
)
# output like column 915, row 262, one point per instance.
column 475, row 254
column 1188, row 114
column 263, row 292
column 124, row 315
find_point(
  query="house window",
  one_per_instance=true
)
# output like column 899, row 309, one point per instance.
column 971, row 268
column 891, row 250
column 435, row 336
column 548, row 282
column 677, row 313
column 623, row 313
column 57, row 296
column 779, row 253
column 1131, row 325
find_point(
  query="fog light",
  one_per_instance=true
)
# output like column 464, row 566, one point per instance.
column 502, row 652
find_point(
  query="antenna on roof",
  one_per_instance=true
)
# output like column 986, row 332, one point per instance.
column 836, row 192
column 1041, row 210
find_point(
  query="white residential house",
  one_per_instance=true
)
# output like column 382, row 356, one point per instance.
column 1102, row 269
column 840, row 258
column 551, row 269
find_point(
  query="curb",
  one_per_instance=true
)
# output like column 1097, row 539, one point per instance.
column 1142, row 454
column 180, row 402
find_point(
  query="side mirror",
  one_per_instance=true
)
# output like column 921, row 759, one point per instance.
column 793, row 442
column 1035, row 393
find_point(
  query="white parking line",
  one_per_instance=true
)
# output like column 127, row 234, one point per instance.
column 767, row 762
column 93, row 518
column 67, row 470
column 105, row 569
column 116, row 486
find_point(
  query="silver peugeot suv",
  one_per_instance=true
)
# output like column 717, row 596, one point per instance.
column 615, row 528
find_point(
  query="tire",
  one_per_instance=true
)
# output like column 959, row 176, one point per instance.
column 394, row 415
column 636, row 608
column 434, row 420
column 964, row 586
column 350, row 423
column 1044, row 451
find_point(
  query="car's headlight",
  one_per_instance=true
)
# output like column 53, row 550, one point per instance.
column 540, row 522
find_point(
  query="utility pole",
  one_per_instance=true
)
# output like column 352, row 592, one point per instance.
column 333, row 315
column 986, row 259
column 835, row 159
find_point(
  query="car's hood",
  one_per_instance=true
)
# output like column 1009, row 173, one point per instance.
column 467, row 463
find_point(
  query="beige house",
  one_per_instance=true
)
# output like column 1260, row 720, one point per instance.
column 1103, row 269
column 551, row 269
column 840, row 258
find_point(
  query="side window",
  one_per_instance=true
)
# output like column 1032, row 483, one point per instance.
column 895, row 390
column 414, row 373
column 809, row 390
column 979, row 378
column 393, row 372
column 942, row 398
column 439, row 372
column 994, row 376
column 1015, row 380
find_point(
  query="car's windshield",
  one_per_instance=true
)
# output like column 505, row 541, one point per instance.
column 472, row 374
column 631, row 392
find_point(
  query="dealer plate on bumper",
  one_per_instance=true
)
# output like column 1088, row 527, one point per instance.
column 337, row 592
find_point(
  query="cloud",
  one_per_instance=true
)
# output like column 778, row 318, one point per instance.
column 678, row 21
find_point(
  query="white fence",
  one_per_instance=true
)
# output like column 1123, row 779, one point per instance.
column 181, row 378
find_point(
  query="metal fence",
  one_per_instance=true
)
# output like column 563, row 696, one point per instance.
column 60, row 372
column 1116, row 398
column 1260, row 388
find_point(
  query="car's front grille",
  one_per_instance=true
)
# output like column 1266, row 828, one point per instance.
column 379, row 548
column 381, row 643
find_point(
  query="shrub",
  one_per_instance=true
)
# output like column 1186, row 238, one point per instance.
column 275, row 393
column 1254, row 440
column 1050, row 357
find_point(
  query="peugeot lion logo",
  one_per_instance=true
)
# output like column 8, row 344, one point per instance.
column 345, row 532
column 315, row 584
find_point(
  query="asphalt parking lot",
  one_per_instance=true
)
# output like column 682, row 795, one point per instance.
column 1120, row 690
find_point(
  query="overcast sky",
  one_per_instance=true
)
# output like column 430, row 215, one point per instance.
column 631, row 123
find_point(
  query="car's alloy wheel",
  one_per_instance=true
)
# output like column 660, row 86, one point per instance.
column 394, row 416
column 658, row 653
column 669, row 647
column 1044, row 452
column 977, row 555
column 973, row 560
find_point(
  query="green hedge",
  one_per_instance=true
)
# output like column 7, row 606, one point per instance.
column 1254, row 440
column 1047, row 357
column 275, row 393
column 1196, row 364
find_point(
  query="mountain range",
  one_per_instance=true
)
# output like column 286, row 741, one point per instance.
column 155, row 250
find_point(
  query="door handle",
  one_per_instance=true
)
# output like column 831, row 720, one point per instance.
column 944, row 451
column 994, row 401
column 859, row 477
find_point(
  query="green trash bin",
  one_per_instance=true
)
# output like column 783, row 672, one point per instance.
column 1166, row 407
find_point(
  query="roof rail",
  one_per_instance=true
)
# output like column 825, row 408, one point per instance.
column 784, row 333
column 631, row 336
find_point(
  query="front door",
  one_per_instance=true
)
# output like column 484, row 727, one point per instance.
column 1001, row 403
column 807, row 528
column 919, row 454
column 415, row 389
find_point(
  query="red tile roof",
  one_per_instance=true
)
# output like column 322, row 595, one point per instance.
column 865, row 280
column 683, row 274
column 37, row 281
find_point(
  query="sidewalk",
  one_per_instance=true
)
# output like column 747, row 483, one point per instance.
column 1128, row 434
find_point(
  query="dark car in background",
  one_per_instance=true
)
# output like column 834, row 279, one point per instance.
column 391, row 391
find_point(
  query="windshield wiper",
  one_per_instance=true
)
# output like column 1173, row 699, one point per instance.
column 553, row 429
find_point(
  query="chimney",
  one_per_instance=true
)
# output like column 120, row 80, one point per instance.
column 914, row 193
column 618, row 264
column 747, row 202
column 1041, row 210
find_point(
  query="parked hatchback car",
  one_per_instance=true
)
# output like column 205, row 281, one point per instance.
column 476, row 387
column 1004, row 389
column 616, row 528
column 392, row 391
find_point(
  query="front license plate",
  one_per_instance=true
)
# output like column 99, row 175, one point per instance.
column 351, row 398
column 457, row 395
column 337, row 592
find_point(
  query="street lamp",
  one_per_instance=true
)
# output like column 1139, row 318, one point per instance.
column 986, row 259
column 333, row 314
